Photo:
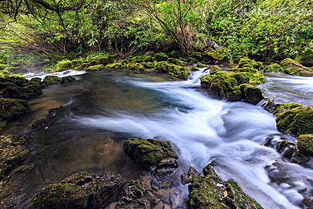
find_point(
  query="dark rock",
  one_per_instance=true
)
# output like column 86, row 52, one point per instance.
column 67, row 79
column 51, row 80
column 79, row 191
column 251, row 93
column 192, row 172
column 11, row 109
column 151, row 153
column 21, row 92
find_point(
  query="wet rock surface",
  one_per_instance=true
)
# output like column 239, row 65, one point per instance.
column 79, row 191
column 210, row 191
column 153, row 154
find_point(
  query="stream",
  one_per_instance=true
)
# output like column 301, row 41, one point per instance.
column 105, row 108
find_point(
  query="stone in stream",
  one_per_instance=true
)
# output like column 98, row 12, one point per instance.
column 210, row 191
column 153, row 154
column 236, row 83
column 11, row 109
column 296, row 121
column 79, row 191
column 12, row 153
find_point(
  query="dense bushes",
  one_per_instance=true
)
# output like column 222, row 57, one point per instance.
column 262, row 29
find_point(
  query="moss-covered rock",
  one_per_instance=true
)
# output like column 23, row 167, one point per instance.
column 251, row 93
column 12, row 153
column 296, row 121
column 214, row 69
column 248, row 63
column 293, row 67
column 218, row 54
column 222, row 86
column 305, row 144
column 79, row 191
column 51, row 80
column 21, row 92
column 210, row 191
column 11, row 109
column 136, row 67
column 276, row 68
column 63, row 65
column 284, row 107
column 161, row 56
column 151, row 153
column 97, row 67
column 226, row 84
column 172, row 69
column 177, row 61
column 67, row 79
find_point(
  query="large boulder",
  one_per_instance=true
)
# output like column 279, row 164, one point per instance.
column 79, row 191
column 153, row 154
column 12, row 153
column 210, row 191
column 296, row 121
column 251, row 93
column 295, row 68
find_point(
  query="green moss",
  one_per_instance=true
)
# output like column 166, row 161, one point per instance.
column 11, row 109
column 161, row 56
column 51, row 80
column 218, row 54
column 172, row 69
column 95, row 67
column 248, row 63
column 251, row 93
column 214, row 69
column 222, row 86
column 13, row 152
column 225, row 84
column 136, row 67
column 285, row 107
column 276, row 68
column 206, row 192
column 148, row 152
column 143, row 58
column 305, row 144
column 284, row 143
column 176, row 61
column 293, row 67
column 296, row 121
column 116, row 65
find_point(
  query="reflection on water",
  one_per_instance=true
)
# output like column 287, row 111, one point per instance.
column 289, row 89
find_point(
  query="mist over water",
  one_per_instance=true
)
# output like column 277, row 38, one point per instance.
column 205, row 130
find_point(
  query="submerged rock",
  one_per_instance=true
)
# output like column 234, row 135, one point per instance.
column 210, row 191
column 151, row 153
column 296, row 121
column 12, row 153
column 79, row 191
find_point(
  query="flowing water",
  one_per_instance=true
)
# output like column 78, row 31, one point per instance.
column 105, row 108
column 289, row 89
